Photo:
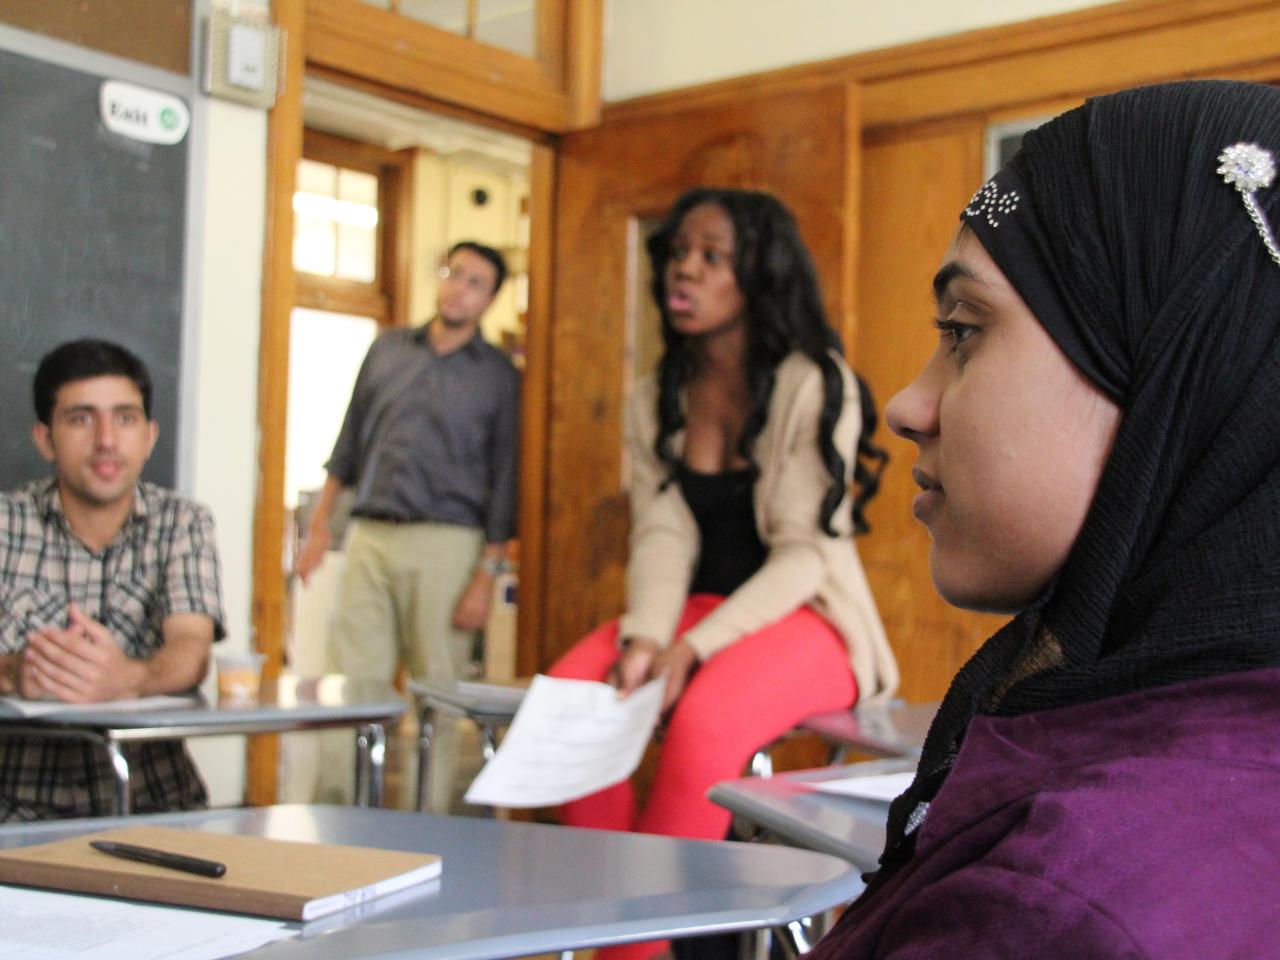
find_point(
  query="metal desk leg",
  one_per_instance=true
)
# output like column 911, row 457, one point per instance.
column 371, row 754
column 489, row 746
column 120, row 766
column 489, row 740
column 426, row 730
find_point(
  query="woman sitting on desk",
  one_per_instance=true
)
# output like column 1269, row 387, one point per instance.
column 743, row 586
column 1099, row 452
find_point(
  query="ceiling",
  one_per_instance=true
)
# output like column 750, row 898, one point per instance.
column 356, row 115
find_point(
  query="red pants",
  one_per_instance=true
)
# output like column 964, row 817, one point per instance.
column 744, row 697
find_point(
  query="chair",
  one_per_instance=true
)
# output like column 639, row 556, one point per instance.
column 490, row 706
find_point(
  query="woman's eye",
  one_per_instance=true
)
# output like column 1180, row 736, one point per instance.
column 957, row 333
column 713, row 256
column 679, row 252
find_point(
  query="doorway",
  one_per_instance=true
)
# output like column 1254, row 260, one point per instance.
column 383, row 190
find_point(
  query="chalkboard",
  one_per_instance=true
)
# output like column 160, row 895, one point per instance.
column 92, row 235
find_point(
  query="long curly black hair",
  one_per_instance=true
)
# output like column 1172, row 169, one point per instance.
column 777, row 279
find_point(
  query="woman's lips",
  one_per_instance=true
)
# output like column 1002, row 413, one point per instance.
column 678, row 302
column 929, row 497
column 925, row 503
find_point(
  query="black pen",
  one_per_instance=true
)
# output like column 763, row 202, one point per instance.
column 160, row 858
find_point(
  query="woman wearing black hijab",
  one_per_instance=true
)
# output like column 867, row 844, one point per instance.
column 1099, row 453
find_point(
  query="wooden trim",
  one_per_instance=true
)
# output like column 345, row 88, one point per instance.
column 552, row 31
column 397, row 248
column 846, row 322
column 1209, row 35
column 358, row 39
column 284, row 147
column 1104, row 63
column 584, row 37
column 340, row 151
column 535, row 418
column 317, row 292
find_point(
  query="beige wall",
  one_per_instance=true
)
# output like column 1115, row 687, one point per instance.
column 653, row 45
column 444, row 214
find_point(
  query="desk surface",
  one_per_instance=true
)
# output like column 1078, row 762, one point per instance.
column 510, row 889
column 788, row 807
column 287, row 703
column 895, row 729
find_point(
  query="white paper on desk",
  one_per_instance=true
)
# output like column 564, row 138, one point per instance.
column 569, row 738
column 45, row 925
column 880, row 786
column 21, row 707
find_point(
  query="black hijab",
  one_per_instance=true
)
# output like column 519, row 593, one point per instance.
column 1143, row 263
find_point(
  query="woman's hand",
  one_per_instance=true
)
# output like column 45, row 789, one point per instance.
column 634, row 666
column 677, row 662
column 643, row 660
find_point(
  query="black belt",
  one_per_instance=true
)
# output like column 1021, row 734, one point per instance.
column 387, row 518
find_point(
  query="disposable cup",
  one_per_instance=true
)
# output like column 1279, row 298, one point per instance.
column 239, row 675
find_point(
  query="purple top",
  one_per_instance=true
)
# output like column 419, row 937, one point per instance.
column 1136, row 826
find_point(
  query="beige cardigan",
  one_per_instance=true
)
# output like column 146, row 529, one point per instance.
column 804, row 565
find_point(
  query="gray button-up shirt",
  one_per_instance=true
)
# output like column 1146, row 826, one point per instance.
column 432, row 438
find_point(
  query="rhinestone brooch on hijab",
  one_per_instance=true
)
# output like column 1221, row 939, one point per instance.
column 1249, row 168
column 991, row 203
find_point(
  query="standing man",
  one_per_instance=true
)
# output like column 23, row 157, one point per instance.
column 109, row 589
column 429, row 445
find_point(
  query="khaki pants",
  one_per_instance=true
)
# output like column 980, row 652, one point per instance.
column 396, row 604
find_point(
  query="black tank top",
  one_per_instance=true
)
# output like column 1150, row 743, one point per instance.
column 731, row 546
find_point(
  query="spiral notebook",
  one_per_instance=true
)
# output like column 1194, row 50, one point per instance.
column 284, row 879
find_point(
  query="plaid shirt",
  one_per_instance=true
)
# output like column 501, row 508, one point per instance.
column 163, row 561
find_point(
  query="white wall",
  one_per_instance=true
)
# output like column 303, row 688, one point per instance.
column 225, row 470
column 654, row 45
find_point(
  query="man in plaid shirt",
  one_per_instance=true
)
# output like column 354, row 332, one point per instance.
column 109, row 588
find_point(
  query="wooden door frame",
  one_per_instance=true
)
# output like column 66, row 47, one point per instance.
column 279, row 285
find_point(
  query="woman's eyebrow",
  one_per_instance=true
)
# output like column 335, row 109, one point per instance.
column 949, row 272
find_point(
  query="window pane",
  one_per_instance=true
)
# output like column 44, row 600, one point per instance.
column 356, row 186
column 509, row 24
column 314, row 239
column 317, row 178
column 357, row 253
column 356, row 213
column 448, row 15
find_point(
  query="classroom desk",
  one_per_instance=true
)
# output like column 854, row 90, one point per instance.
column 894, row 729
column 787, row 807
column 288, row 703
column 510, row 889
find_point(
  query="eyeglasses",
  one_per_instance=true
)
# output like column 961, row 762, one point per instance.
column 472, row 281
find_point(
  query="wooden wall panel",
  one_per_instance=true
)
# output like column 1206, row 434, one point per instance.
column 797, row 146
column 913, row 190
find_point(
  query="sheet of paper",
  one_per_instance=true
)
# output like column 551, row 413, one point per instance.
column 45, row 925
column 568, row 739
column 18, row 707
column 882, row 786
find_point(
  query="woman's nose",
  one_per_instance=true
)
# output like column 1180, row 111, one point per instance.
column 684, row 265
column 912, row 412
